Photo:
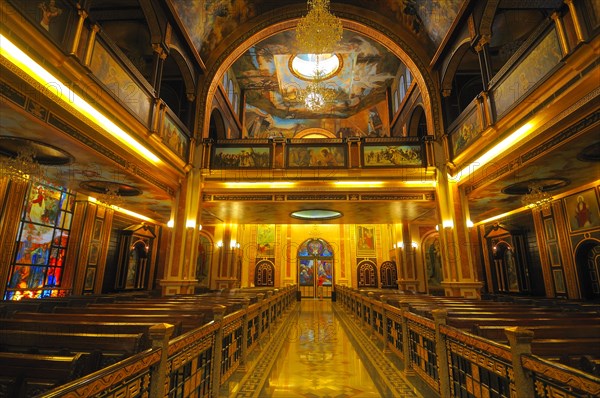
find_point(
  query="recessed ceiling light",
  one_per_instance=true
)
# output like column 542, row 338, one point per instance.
column 316, row 214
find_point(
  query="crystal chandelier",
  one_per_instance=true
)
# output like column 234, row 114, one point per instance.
column 111, row 197
column 22, row 167
column 319, row 31
column 536, row 197
column 317, row 94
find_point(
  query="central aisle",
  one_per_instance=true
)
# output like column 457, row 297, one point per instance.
column 318, row 360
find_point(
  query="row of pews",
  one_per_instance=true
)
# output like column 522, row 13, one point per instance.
column 562, row 338
column 49, row 343
column 569, row 334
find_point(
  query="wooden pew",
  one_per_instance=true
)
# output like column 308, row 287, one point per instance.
column 102, row 349
column 188, row 321
column 74, row 326
column 496, row 332
column 25, row 375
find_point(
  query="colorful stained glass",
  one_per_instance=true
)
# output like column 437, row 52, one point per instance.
column 41, row 244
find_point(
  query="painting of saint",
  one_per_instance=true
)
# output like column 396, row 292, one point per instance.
column 365, row 240
column 433, row 261
column 582, row 210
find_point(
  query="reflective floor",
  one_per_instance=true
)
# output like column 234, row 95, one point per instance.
column 317, row 359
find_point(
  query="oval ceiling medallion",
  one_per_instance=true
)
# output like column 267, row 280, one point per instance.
column 43, row 153
column 546, row 184
column 118, row 188
column 590, row 153
column 316, row 214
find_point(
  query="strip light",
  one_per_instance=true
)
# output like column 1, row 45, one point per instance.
column 498, row 149
column 276, row 184
column 21, row 60
column 124, row 211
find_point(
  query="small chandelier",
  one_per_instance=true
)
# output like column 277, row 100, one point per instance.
column 111, row 197
column 317, row 94
column 22, row 167
column 536, row 197
column 319, row 31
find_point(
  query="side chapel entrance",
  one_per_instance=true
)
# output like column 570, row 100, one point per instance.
column 315, row 268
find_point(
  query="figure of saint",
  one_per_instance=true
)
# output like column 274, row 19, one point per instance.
column 37, row 205
column 582, row 213
column 49, row 11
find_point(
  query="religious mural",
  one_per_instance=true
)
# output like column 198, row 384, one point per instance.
column 392, row 155
column 209, row 22
column 316, row 156
column 241, row 157
column 433, row 261
column 582, row 210
column 365, row 70
column 532, row 68
column 265, row 240
column 365, row 240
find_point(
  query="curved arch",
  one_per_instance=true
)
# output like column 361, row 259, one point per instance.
column 454, row 62
column 366, row 274
column 416, row 125
column 587, row 263
column 153, row 21
column 353, row 19
column 186, row 69
column 322, row 133
column 217, row 130
column 487, row 17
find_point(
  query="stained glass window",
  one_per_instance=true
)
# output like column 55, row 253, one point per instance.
column 37, row 267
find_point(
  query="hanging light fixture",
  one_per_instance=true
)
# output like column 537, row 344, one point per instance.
column 536, row 197
column 319, row 31
column 21, row 167
column 317, row 94
column 111, row 196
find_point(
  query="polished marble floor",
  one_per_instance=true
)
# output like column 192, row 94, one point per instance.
column 318, row 360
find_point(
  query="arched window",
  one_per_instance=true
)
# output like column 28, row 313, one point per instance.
column 401, row 89
column 367, row 274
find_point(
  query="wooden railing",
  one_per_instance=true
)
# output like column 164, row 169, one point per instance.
column 457, row 363
column 194, row 364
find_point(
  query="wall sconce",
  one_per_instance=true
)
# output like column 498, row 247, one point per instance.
column 199, row 227
column 414, row 244
column 219, row 244
column 190, row 224
column 448, row 224
column 470, row 224
column 170, row 224
column 232, row 244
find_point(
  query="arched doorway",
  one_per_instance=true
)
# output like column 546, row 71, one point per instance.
column 315, row 268
column 367, row 274
column 264, row 273
column 587, row 258
column 389, row 275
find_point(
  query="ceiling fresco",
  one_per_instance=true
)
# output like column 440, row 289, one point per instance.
column 84, row 167
column 264, row 73
column 569, row 165
column 209, row 22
